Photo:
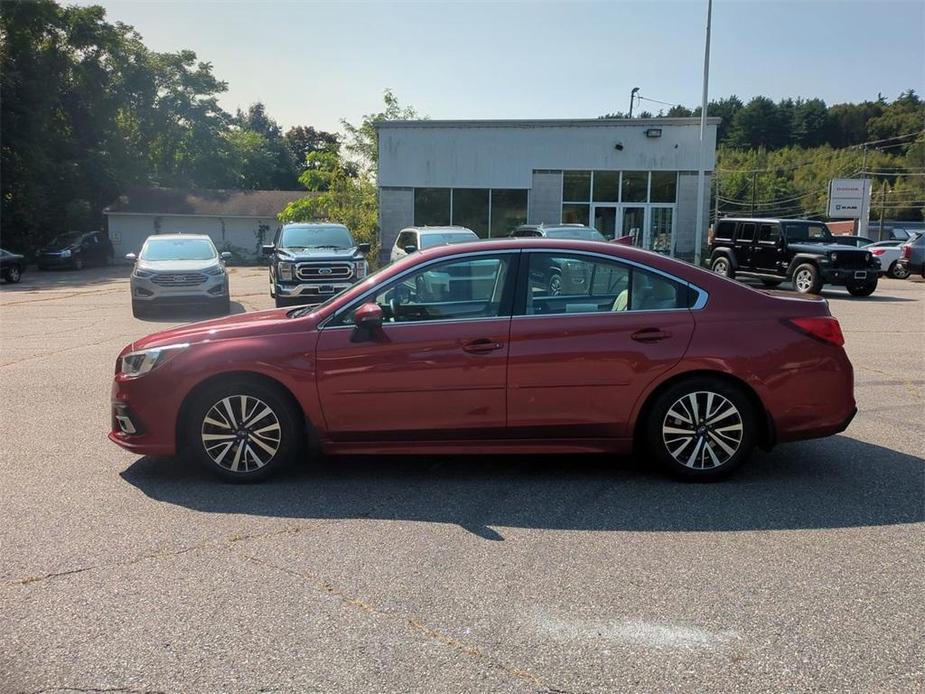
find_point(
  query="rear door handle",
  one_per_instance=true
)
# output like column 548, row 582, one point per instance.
column 650, row 335
column 481, row 345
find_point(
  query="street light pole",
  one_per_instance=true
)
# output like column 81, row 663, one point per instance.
column 632, row 98
column 698, row 237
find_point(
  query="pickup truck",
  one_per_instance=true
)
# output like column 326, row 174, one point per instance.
column 310, row 263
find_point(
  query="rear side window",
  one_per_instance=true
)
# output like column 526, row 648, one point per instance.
column 768, row 233
column 746, row 232
column 725, row 231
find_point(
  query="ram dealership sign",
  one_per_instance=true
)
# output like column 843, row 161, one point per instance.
column 849, row 198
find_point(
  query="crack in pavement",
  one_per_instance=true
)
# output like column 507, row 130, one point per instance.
column 323, row 586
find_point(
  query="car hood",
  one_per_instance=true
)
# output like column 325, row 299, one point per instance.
column 820, row 248
column 270, row 322
column 312, row 253
column 176, row 265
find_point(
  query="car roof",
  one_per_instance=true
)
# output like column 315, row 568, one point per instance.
column 179, row 236
column 439, row 229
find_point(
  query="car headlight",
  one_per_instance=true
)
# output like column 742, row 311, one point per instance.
column 66, row 253
column 361, row 268
column 284, row 271
column 217, row 270
column 139, row 363
column 833, row 257
column 142, row 273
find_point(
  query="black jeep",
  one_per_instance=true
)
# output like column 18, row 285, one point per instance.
column 800, row 250
column 310, row 263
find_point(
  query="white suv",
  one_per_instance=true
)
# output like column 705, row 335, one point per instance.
column 179, row 269
column 415, row 239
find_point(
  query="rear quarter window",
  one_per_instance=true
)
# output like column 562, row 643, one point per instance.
column 724, row 231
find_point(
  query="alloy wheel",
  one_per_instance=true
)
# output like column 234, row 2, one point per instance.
column 702, row 430
column 13, row 274
column 720, row 267
column 803, row 280
column 555, row 285
column 241, row 433
column 900, row 271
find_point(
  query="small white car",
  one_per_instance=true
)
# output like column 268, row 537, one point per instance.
column 179, row 270
column 889, row 253
column 413, row 239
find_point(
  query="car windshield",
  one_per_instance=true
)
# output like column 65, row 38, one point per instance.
column 333, row 236
column 807, row 231
column 178, row 249
column 67, row 239
column 583, row 234
column 430, row 240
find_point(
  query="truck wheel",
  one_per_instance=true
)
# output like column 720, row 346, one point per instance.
column 722, row 266
column 862, row 289
column 898, row 270
column 806, row 279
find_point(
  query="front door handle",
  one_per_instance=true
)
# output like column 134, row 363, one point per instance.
column 481, row 345
column 650, row 335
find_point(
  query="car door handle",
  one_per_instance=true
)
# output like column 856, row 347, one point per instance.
column 481, row 345
column 650, row 335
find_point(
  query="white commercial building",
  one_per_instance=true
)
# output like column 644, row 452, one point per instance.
column 633, row 177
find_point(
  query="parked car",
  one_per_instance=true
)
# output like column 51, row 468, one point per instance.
column 179, row 270
column 913, row 256
column 649, row 351
column 413, row 239
column 889, row 252
column 558, row 231
column 76, row 250
column 11, row 266
column 310, row 263
column 855, row 241
column 799, row 250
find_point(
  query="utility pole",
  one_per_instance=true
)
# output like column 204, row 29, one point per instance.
column 754, row 188
column 882, row 208
column 864, row 219
column 698, row 236
column 632, row 99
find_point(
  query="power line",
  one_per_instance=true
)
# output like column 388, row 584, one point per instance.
column 656, row 101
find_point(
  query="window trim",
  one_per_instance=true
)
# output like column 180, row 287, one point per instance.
column 520, row 297
column 507, row 293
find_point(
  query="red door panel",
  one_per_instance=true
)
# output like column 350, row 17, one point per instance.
column 423, row 379
column 580, row 375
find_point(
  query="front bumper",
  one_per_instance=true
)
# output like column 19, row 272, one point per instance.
column 143, row 416
column 844, row 276
column 213, row 289
column 54, row 260
column 310, row 292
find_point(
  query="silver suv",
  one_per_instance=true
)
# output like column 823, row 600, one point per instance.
column 179, row 269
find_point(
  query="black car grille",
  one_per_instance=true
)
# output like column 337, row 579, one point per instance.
column 179, row 279
column 851, row 261
column 315, row 272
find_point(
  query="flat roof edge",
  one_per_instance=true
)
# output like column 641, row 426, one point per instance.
column 541, row 123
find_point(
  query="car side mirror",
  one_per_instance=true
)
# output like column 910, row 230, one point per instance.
column 131, row 256
column 368, row 321
column 267, row 249
column 410, row 249
column 363, row 248
column 226, row 255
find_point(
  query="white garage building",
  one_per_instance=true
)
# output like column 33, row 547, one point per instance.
column 624, row 176
column 236, row 220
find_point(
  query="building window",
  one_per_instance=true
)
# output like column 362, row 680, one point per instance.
column 635, row 186
column 575, row 214
column 576, row 186
column 664, row 186
column 470, row 209
column 508, row 211
column 606, row 186
column 431, row 206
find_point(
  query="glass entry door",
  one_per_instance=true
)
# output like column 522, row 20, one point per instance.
column 662, row 228
column 632, row 223
column 605, row 220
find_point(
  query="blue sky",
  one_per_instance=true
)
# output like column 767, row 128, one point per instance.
column 312, row 63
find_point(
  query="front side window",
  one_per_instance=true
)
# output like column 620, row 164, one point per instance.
column 768, row 233
column 457, row 289
column 333, row 236
column 178, row 249
column 561, row 283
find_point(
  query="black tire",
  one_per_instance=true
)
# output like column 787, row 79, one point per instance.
column 898, row 271
column 554, row 284
column 708, row 459
column 223, row 306
column 806, row 279
column 771, row 283
column 862, row 289
column 78, row 263
column 721, row 265
column 12, row 274
column 243, row 450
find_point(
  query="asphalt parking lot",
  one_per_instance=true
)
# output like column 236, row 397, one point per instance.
column 577, row 574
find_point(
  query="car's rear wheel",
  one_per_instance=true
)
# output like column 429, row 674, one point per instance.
column 722, row 266
column 243, row 430
column 862, row 289
column 701, row 428
column 12, row 274
column 806, row 279
column 898, row 270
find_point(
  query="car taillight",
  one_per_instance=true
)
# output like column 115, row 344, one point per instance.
column 878, row 251
column 822, row 328
column 907, row 250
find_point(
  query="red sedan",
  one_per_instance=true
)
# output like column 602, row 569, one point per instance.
column 501, row 347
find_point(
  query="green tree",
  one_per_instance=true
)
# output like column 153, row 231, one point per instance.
column 363, row 139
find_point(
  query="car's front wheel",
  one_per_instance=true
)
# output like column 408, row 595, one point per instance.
column 12, row 274
column 243, row 430
column 701, row 428
column 898, row 270
column 806, row 279
column 722, row 266
column 862, row 289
